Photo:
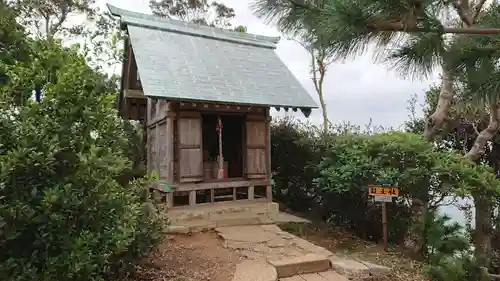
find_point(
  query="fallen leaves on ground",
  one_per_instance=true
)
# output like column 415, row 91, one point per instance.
column 197, row 257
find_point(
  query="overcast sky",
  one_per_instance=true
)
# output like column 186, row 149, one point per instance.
column 355, row 90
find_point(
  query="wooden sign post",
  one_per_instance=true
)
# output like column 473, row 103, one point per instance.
column 383, row 194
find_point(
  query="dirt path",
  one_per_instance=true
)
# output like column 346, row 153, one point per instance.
column 206, row 257
column 198, row 257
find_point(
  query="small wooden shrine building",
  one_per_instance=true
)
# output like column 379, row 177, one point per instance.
column 204, row 95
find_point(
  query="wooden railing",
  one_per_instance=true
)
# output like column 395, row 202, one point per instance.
column 162, row 191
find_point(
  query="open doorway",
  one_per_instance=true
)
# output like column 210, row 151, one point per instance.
column 232, row 145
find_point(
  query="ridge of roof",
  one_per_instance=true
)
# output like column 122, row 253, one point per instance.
column 154, row 22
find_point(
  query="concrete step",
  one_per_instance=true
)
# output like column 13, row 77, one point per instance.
column 182, row 214
column 310, row 263
column 250, row 270
column 229, row 219
column 357, row 268
column 320, row 276
column 210, row 224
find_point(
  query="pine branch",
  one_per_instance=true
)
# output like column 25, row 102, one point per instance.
column 463, row 10
column 477, row 10
column 382, row 25
column 399, row 27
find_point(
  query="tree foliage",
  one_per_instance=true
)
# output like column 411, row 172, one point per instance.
column 13, row 42
column 64, row 214
column 213, row 14
column 449, row 255
column 411, row 35
column 48, row 18
column 326, row 177
column 417, row 37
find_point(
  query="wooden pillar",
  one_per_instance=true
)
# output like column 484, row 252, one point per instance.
column 251, row 192
column 169, row 144
column 269, row 188
column 192, row 197
column 149, row 145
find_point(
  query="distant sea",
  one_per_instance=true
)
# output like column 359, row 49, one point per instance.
column 455, row 213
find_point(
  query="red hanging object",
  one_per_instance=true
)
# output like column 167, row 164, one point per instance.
column 221, row 174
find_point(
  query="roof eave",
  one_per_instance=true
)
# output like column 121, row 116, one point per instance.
column 305, row 109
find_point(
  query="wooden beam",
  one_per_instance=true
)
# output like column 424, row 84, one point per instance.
column 169, row 150
column 129, row 63
column 149, row 112
column 134, row 93
column 219, row 107
column 192, row 197
column 269, row 192
column 217, row 185
column 251, row 192
column 269, row 188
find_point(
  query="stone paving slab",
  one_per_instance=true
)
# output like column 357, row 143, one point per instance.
column 249, row 228
column 357, row 269
column 333, row 276
column 310, row 263
column 292, row 256
column 320, row 276
column 250, row 270
column 312, row 277
column 267, row 242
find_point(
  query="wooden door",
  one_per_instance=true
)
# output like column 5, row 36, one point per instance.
column 190, row 147
column 256, row 146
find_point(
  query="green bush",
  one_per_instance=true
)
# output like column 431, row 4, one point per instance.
column 352, row 162
column 295, row 151
column 63, row 214
column 328, row 175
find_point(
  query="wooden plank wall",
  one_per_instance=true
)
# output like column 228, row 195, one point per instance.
column 190, row 146
column 160, row 123
column 175, row 149
column 256, row 146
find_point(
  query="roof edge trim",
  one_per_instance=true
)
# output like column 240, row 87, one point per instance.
column 154, row 22
column 278, row 107
column 193, row 32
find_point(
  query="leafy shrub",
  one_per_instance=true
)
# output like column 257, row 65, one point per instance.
column 294, row 152
column 63, row 214
column 328, row 176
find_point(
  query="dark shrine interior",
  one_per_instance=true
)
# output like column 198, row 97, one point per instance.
column 232, row 141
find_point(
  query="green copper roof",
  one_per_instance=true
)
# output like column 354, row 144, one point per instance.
column 185, row 61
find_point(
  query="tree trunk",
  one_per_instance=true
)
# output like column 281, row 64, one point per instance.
column 436, row 120
column 483, row 230
column 38, row 94
column 323, row 104
column 485, row 135
column 482, row 203
column 414, row 240
column 415, row 237
column 318, row 66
